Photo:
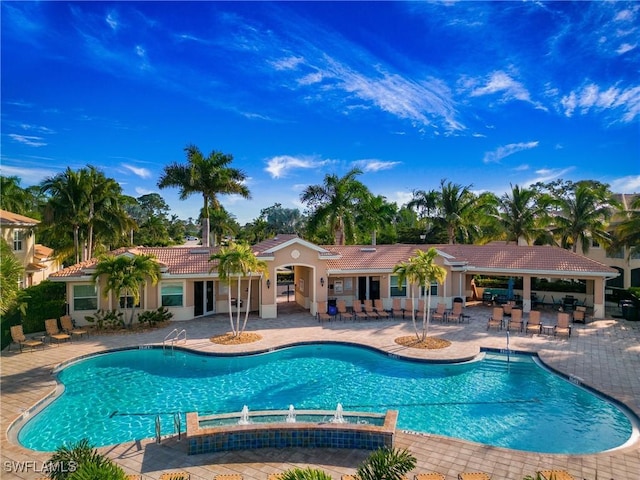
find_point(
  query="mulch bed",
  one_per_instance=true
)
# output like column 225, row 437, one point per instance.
column 229, row 339
column 429, row 343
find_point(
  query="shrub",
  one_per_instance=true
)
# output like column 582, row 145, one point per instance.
column 305, row 474
column 153, row 317
column 81, row 461
column 110, row 319
column 386, row 464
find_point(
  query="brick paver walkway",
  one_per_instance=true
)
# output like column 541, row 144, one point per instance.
column 604, row 354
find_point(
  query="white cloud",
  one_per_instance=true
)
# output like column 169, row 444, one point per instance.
column 29, row 140
column 500, row 82
column 592, row 98
column 372, row 165
column 141, row 172
column 504, row 151
column 628, row 184
column 30, row 176
column 280, row 166
column 143, row 191
column 624, row 48
column 288, row 63
column 521, row 168
column 548, row 174
column 112, row 21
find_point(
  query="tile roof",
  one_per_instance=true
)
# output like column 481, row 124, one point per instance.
column 494, row 257
column 15, row 219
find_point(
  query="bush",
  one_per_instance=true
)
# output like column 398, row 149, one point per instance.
column 386, row 464
column 106, row 319
column 81, row 461
column 153, row 317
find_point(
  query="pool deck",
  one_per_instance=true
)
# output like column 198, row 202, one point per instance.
column 604, row 354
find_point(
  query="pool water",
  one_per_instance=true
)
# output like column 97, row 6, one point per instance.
column 115, row 397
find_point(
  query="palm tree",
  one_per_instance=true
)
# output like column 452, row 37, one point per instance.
column 210, row 176
column 584, row 214
column 336, row 202
column 456, row 204
column 126, row 275
column 627, row 232
column 238, row 260
column 375, row 213
column 13, row 198
column 386, row 463
column 11, row 271
column 520, row 214
column 422, row 271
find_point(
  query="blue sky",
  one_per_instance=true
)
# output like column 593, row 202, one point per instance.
column 486, row 94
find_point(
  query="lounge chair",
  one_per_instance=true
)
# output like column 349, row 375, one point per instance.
column 348, row 477
column 367, row 306
column 176, row 476
column 228, row 476
column 408, row 306
column 556, row 475
column 507, row 308
column 495, row 320
column 455, row 313
column 580, row 315
column 533, row 324
column 440, row 313
column 17, row 336
column 341, row 305
column 133, row 476
column 563, row 326
column 429, row 476
column 67, row 326
column 51, row 325
column 379, row 308
column 274, row 476
column 321, row 313
column 396, row 308
column 515, row 322
column 474, row 476
column 358, row 311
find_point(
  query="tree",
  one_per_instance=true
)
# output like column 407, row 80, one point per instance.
column 627, row 232
column 238, row 260
column 125, row 275
column 336, row 202
column 13, row 198
column 80, row 461
column 386, row 463
column 520, row 214
column 11, row 271
column 421, row 270
column 282, row 220
column 456, row 204
column 210, row 176
column 375, row 213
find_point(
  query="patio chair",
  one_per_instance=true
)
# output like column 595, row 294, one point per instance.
column 555, row 475
column 367, row 306
column 177, row 476
column 321, row 313
column 515, row 322
column 17, row 336
column 534, row 323
column 580, row 315
column 396, row 308
column 440, row 313
column 455, row 314
column 358, row 311
column 379, row 308
column 420, row 309
column 507, row 308
column 341, row 305
column 348, row 477
column 563, row 326
column 67, row 326
column 429, row 476
column 133, row 476
column 51, row 325
column 474, row 476
column 228, row 476
column 274, row 476
column 495, row 320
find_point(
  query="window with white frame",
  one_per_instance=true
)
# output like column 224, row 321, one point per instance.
column 129, row 301
column 85, row 297
column 434, row 289
column 18, row 237
column 397, row 289
column 172, row 294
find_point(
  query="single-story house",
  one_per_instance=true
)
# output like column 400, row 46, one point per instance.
column 190, row 286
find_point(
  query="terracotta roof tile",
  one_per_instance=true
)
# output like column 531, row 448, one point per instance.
column 10, row 218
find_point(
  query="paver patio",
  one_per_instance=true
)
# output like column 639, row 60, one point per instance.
column 604, row 354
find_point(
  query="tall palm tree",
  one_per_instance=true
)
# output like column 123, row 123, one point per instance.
column 13, row 198
column 583, row 215
column 627, row 232
column 336, row 202
column 209, row 176
column 408, row 272
column 126, row 276
column 456, row 206
column 102, row 202
column 376, row 212
column 428, row 272
column 11, row 271
column 520, row 214
column 237, row 260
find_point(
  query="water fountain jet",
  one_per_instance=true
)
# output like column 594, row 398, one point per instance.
column 291, row 416
column 244, row 416
column 337, row 417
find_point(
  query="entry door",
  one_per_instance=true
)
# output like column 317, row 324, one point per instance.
column 198, row 299
column 374, row 288
column 210, row 298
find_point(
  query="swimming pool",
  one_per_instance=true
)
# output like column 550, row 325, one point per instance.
column 116, row 397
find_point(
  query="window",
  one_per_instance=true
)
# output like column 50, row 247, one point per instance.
column 85, row 297
column 615, row 253
column 396, row 289
column 18, row 236
column 434, row 289
column 129, row 302
column 171, row 294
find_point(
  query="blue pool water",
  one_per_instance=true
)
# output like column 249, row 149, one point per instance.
column 115, row 397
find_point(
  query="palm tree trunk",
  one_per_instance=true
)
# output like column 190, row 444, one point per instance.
column 205, row 222
column 233, row 331
column 413, row 313
column 427, row 314
column 76, row 242
column 238, row 303
column 246, row 312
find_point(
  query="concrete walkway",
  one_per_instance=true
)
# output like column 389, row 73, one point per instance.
column 604, row 354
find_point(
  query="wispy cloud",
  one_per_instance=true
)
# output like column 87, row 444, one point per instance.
column 628, row 184
column 29, row 140
column 506, row 150
column 548, row 174
column 112, row 20
column 287, row 63
column 282, row 165
column 30, row 176
column 143, row 191
column 141, row 172
column 501, row 83
column 591, row 98
column 372, row 165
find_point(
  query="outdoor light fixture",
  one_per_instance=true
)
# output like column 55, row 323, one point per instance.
column 268, row 283
column 322, row 281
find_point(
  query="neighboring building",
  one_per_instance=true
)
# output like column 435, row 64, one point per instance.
column 627, row 265
column 38, row 260
column 190, row 286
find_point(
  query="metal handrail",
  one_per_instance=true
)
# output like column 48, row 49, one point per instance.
column 172, row 332
column 174, row 336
